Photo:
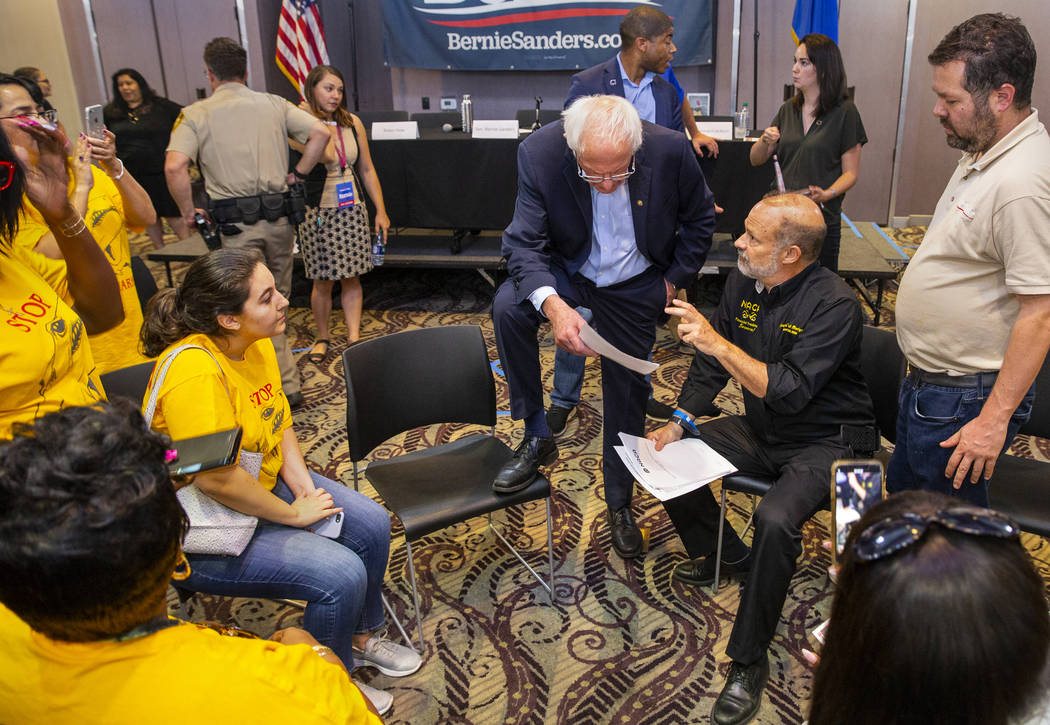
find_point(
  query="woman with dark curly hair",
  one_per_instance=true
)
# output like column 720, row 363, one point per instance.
column 90, row 534
column 142, row 122
column 817, row 135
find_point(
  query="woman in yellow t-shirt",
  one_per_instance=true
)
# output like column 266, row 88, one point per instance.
column 89, row 537
column 228, row 305
column 45, row 361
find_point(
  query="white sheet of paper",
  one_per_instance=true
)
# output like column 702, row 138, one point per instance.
column 597, row 343
column 679, row 468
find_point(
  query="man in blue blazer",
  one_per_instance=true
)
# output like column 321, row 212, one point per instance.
column 646, row 50
column 613, row 214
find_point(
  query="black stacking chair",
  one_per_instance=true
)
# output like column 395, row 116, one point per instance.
column 1020, row 487
column 419, row 378
column 883, row 366
column 370, row 117
column 145, row 284
column 437, row 119
column 129, row 382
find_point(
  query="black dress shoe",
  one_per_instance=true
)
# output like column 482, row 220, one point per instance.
column 556, row 417
column 295, row 400
column 657, row 410
column 626, row 538
column 701, row 572
column 521, row 470
column 742, row 694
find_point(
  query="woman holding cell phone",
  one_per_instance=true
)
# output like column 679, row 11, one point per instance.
column 228, row 305
column 335, row 236
column 817, row 136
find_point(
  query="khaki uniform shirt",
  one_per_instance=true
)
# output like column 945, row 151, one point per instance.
column 239, row 137
column 988, row 241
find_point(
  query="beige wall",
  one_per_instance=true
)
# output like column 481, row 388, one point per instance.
column 31, row 34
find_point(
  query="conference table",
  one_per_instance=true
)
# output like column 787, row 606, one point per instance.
column 453, row 181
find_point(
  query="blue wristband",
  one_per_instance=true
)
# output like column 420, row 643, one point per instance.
column 684, row 421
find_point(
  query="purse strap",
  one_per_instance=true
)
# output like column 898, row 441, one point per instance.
column 162, row 371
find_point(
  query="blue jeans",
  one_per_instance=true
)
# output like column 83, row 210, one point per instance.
column 341, row 579
column 929, row 414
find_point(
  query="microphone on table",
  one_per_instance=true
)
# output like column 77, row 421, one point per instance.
column 536, row 124
column 449, row 128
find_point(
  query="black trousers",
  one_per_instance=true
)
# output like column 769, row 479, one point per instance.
column 626, row 315
column 803, row 482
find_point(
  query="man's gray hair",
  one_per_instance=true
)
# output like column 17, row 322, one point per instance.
column 603, row 121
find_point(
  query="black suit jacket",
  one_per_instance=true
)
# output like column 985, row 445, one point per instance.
column 604, row 79
column 673, row 209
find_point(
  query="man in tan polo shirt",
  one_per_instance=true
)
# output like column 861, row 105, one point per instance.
column 973, row 310
column 239, row 137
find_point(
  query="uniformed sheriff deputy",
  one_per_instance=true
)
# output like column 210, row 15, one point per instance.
column 239, row 138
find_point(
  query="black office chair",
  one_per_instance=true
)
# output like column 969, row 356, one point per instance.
column 790, row 90
column 527, row 116
column 419, row 378
column 883, row 366
column 437, row 119
column 129, row 382
column 145, row 284
column 370, row 117
column 1020, row 487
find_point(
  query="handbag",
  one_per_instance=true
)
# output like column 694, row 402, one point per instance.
column 214, row 527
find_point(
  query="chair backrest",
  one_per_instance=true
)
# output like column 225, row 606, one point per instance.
column 527, row 116
column 370, row 117
column 437, row 119
column 1039, row 424
column 789, row 91
column 416, row 378
column 882, row 364
column 129, row 382
column 145, row 284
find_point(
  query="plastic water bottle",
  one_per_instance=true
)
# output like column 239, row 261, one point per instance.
column 378, row 251
column 466, row 110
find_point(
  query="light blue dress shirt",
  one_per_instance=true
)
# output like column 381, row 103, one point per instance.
column 640, row 95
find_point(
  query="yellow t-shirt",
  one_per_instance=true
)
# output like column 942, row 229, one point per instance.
column 45, row 361
column 171, row 677
column 193, row 400
column 117, row 347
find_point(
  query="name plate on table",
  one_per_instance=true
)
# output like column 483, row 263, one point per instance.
column 394, row 130
column 495, row 129
column 721, row 130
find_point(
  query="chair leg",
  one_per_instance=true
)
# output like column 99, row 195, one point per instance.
column 535, row 574
column 550, row 550
column 397, row 622
column 355, row 476
column 718, row 546
column 415, row 595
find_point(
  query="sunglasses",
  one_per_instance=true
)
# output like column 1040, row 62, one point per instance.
column 890, row 535
column 7, row 174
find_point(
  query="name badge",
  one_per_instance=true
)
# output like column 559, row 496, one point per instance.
column 344, row 193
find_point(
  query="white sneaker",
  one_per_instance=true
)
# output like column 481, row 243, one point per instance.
column 391, row 659
column 381, row 699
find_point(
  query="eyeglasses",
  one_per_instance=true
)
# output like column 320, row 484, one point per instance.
column 50, row 115
column 7, row 174
column 590, row 179
column 890, row 535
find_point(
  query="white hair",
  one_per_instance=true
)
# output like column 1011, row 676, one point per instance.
column 603, row 120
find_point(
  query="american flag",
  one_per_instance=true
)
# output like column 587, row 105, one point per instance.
column 300, row 40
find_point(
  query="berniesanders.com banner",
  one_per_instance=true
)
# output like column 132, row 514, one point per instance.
column 529, row 34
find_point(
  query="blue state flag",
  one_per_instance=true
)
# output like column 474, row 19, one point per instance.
column 815, row 16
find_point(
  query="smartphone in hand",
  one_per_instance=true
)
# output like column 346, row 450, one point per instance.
column 856, row 485
column 205, row 453
column 93, row 123
column 329, row 527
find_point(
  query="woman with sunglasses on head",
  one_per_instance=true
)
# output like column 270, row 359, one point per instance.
column 142, row 122
column 938, row 617
column 335, row 236
column 817, row 136
column 228, row 305
column 90, row 535
column 45, row 360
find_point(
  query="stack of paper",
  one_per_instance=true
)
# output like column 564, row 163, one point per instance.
column 679, row 468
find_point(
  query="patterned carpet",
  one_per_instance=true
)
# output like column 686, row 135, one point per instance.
column 622, row 644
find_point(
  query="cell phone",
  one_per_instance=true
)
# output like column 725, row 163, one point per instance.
column 93, row 123
column 856, row 485
column 205, row 453
column 329, row 527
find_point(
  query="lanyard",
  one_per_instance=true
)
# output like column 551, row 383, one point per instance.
column 340, row 149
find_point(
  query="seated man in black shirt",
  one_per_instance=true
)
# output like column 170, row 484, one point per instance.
column 789, row 331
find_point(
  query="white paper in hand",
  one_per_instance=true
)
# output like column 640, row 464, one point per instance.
column 679, row 468
column 598, row 343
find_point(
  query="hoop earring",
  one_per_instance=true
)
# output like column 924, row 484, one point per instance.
column 182, row 568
